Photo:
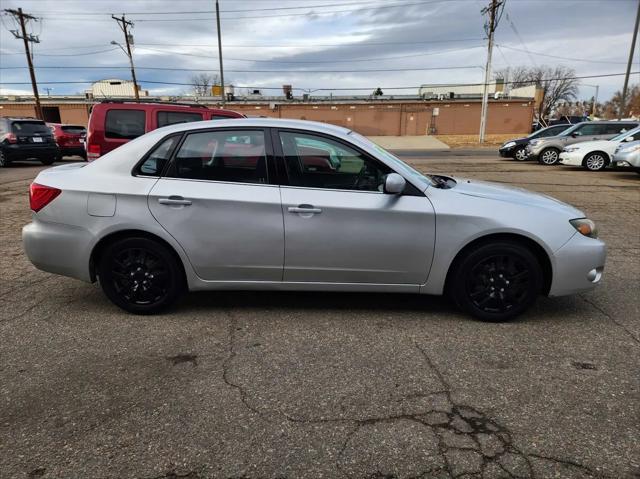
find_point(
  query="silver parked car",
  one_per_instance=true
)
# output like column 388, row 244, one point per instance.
column 628, row 154
column 296, row 205
column 547, row 150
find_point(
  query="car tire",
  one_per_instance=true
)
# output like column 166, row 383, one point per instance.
column 595, row 161
column 4, row 162
column 549, row 156
column 48, row 161
column 520, row 153
column 140, row 275
column 496, row 281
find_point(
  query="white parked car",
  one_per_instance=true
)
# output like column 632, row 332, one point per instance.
column 596, row 155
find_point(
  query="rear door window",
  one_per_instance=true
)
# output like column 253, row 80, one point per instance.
column 615, row 128
column 158, row 158
column 229, row 155
column 125, row 124
column 30, row 128
column 74, row 130
column 172, row 117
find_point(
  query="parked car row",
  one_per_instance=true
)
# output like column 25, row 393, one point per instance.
column 112, row 123
column 593, row 145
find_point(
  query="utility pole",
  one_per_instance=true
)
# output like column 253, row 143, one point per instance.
column 124, row 25
column 21, row 16
column 626, row 78
column 220, row 53
column 493, row 23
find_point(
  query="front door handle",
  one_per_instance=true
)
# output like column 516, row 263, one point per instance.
column 174, row 201
column 304, row 209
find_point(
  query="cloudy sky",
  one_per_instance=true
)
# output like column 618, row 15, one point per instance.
column 316, row 44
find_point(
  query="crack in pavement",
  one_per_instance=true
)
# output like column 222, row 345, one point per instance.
column 608, row 316
column 468, row 442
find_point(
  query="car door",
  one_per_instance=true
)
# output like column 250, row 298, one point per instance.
column 340, row 227
column 216, row 201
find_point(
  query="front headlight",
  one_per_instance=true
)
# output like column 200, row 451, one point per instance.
column 629, row 149
column 570, row 149
column 585, row 227
column 534, row 142
column 509, row 144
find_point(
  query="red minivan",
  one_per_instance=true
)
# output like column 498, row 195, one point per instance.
column 115, row 122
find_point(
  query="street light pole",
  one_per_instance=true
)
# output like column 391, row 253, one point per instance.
column 626, row 78
column 220, row 53
column 492, row 9
column 124, row 25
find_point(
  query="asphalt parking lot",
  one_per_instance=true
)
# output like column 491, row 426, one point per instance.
column 266, row 385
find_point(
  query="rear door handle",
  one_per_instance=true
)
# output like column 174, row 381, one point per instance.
column 174, row 200
column 304, row 209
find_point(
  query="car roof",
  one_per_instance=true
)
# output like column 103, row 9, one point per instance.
column 315, row 126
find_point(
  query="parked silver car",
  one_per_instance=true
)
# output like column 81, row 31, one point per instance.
column 547, row 150
column 296, row 205
column 628, row 154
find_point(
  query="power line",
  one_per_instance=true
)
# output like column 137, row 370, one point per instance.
column 60, row 67
column 563, row 58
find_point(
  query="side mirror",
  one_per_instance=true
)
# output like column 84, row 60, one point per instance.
column 629, row 138
column 576, row 134
column 394, row 184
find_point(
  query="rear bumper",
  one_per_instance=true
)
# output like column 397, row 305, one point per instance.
column 578, row 265
column 72, row 151
column 25, row 152
column 58, row 248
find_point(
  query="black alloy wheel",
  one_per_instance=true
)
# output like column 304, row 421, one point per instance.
column 497, row 281
column 140, row 275
column 4, row 162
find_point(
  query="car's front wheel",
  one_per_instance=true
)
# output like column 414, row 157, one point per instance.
column 595, row 161
column 549, row 156
column 496, row 281
column 48, row 161
column 140, row 275
column 520, row 153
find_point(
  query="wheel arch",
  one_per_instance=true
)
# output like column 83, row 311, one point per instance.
column 539, row 252
column 606, row 156
column 99, row 247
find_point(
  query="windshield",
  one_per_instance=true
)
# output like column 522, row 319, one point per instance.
column 570, row 130
column 396, row 162
column 625, row 134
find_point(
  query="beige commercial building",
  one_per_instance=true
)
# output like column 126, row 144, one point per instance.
column 369, row 117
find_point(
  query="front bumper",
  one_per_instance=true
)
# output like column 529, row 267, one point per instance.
column 578, row 265
column 58, row 248
column 506, row 152
column 573, row 158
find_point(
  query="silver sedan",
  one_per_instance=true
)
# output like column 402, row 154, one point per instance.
column 294, row 205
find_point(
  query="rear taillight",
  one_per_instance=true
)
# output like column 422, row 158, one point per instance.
column 93, row 152
column 40, row 196
column 11, row 138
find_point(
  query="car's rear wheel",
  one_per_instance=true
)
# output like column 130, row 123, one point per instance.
column 4, row 162
column 48, row 161
column 140, row 275
column 520, row 153
column 595, row 161
column 496, row 281
column 549, row 156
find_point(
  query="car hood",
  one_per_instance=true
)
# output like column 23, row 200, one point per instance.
column 604, row 145
column 512, row 194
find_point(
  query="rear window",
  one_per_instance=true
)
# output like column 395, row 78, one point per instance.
column 125, row 124
column 172, row 117
column 74, row 130
column 30, row 128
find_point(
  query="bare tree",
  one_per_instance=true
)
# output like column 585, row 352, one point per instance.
column 556, row 83
column 202, row 83
column 631, row 108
